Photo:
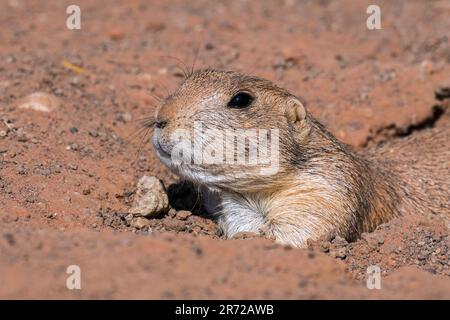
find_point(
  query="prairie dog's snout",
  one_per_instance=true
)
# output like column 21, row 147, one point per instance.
column 308, row 184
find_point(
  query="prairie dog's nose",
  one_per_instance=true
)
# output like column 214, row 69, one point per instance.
column 160, row 124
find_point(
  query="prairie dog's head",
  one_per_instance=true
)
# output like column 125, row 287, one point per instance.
column 228, row 130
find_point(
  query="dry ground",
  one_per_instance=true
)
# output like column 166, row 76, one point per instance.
column 68, row 176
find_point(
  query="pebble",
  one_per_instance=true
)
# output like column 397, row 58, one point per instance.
column 340, row 253
column 139, row 222
column 73, row 167
column 172, row 213
column 129, row 217
column 93, row 133
column 174, row 225
column 151, row 198
column 183, row 214
column 124, row 117
column 57, row 168
column 40, row 101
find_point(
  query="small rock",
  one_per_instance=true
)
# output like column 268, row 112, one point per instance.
column 151, row 198
column 22, row 136
column 93, row 133
column 174, row 225
column 340, row 253
column 73, row 167
column 75, row 81
column 40, row 101
column 139, row 222
column 172, row 213
column 183, row 214
column 129, row 217
column 57, row 168
column 124, row 117
column 73, row 146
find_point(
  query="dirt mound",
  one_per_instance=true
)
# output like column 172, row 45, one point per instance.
column 401, row 242
column 186, row 267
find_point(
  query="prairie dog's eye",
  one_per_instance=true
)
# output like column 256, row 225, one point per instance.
column 240, row 100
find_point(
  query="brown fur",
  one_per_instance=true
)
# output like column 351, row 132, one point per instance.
column 322, row 185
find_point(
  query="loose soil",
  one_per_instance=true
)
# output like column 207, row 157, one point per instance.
column 68, row 174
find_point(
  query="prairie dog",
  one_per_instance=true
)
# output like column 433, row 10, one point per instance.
column 319, row 184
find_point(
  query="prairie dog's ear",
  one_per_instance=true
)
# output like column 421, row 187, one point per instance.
column 296, row 111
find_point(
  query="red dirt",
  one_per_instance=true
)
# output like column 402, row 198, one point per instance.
column 67, row 177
